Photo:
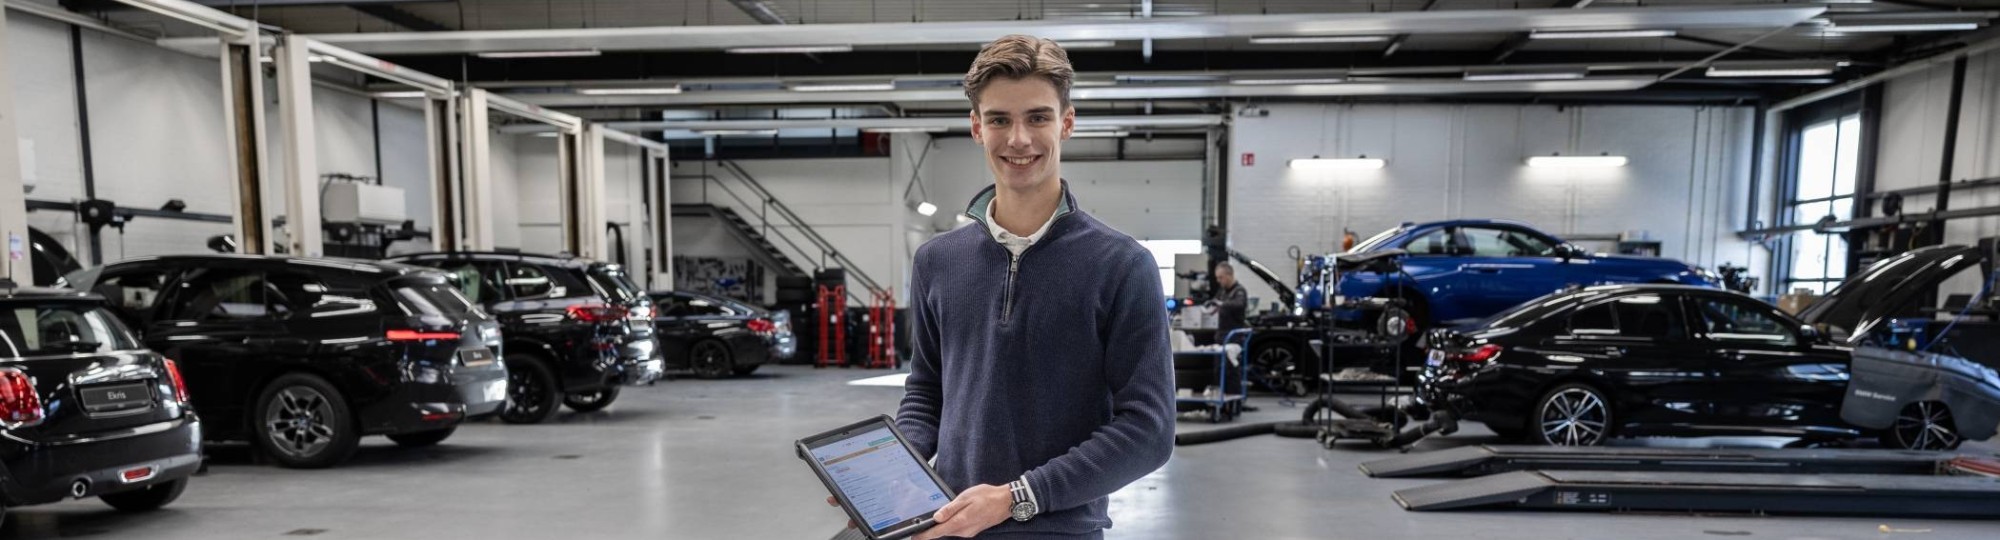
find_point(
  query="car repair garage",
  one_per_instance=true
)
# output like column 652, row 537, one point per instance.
column 812, row 269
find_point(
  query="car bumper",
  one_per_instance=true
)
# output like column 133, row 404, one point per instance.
column 639, row 362
column 40, row 472
column 483, row 388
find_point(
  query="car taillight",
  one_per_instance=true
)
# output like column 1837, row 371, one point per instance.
column 180, row 386
column 413, row 335
column 1481, row 354
column 597, row 313
column 761, row 326
column 19, row 404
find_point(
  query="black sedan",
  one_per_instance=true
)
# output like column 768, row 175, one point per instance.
column 304, row 356
column 85, row 409
column 715, row 337
column 1580, row 367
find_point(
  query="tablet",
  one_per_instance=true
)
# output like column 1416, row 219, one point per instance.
column 877, row 478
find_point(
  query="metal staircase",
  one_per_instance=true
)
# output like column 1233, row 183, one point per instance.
column 757, row 218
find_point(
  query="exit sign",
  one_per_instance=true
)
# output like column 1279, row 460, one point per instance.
column 1249, row 159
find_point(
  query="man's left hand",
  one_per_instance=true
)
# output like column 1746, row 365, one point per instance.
column 976, row 509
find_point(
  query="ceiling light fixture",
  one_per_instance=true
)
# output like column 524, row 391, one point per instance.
column 397, row 94
column 1098, row 134
column 1771, row 69
column 1577, row 161
column 631, row 91
column 1263, row 82
column 567, row 53
column 722, row 132
column 906, row 130
column 813, row 49
column 1166, row 78
column 1088, row 44
column 1316, row 163
column 1294, row 40
column 844, row 87
column 1519, row 74
column 1902, row 27
column 1602, row 34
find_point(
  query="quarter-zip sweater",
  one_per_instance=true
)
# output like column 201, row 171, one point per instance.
column 1052, row 366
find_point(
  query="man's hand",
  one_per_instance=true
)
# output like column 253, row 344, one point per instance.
column 976, row 509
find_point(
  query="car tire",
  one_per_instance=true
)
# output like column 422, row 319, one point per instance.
column 532, row 393
column 422, row 438
column 146, row 499
column 591, row 401
column 1924, row 425
column 711, row 359
column 746, row 370
column 1277, row 367
column 302, row 422
column 1573, row 414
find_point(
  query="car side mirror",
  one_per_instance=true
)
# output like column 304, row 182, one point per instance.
column 1811, row 334
column 1570, row 251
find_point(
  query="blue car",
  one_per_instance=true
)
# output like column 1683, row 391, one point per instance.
column 1465, row 270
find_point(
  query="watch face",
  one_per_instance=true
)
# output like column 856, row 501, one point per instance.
column 1024, row 510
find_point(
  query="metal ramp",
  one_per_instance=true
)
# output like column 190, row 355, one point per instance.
column 1481, row 460
column 1704, row 492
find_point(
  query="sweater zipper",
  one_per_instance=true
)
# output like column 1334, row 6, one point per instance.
column 1014, row 270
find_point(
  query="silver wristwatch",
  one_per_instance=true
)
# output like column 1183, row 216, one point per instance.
column 1024, row 500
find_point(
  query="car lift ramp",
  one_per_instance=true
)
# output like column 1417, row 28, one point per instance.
column 1708, row 492
column 1481, row 460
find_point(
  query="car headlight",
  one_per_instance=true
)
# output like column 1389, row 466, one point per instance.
column 1712, row 277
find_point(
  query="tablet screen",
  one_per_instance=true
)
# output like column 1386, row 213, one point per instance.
column 880, row 477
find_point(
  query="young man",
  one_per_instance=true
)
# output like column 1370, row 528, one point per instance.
column 1041, row 379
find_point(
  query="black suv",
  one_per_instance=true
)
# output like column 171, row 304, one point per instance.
column 575, row 329
column 304, row 356
column 85, row 410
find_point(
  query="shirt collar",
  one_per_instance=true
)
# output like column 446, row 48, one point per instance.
column 981, row 210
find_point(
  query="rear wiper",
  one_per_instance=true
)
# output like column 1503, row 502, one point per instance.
column 73, row 346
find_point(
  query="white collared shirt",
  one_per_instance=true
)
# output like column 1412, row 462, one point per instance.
column 1015, row 243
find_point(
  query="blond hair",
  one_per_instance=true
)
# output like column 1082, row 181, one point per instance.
column 1016, row 57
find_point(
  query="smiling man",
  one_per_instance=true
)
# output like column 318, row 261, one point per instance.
column 1040, row 381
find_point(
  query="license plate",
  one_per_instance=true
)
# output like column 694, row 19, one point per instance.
column 1436, row 358
column 496, row 390
column 475, row 357
column 116, row 398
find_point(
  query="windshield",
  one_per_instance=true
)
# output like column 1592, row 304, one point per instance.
column 1376, row 241
column 60, row 328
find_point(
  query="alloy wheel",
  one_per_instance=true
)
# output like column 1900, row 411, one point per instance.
column 1926, row 425
column 1574, row 417
column 300, row 423
column 525, row 394
column 1280, row 370
column 711, row 360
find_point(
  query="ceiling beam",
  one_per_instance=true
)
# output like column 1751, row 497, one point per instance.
column 399, row 17
column 1521, row 39
column 1396, row 43
column 975, row 32
column 1774, row 53
column 1413, row 87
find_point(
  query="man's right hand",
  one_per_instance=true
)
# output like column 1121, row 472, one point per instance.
column 830, row 501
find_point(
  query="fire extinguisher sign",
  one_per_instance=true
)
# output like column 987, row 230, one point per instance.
column 1249, row 159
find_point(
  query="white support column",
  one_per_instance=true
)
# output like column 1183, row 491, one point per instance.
column 301, row 173
column 447, row 200
column 590, row 200
column 14, row 264
column 243, row 122
column 568, row 144
column 475, row 185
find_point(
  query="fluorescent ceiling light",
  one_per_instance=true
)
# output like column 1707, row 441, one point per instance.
column 1098, row 134
column 1087, row 44
column 1903, row 27
column 1292, row 40
column 810, row 49
column 1576, row 161
column 716, row 132
column 1337, row 164
column 1602, row 34
column 1771, row 69
column 631, row 91
column 569, row 53
column 926, row 208
column 907, row 130
column 1166, row 78
column 1261, row 82
column 548, row 134
column 844, row 87
column 398, row 94
column 1525, row 74
column 317, row 58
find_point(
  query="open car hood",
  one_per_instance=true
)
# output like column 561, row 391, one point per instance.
column 1866, row 301
column 1286, row 296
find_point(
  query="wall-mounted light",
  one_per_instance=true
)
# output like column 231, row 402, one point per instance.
column 1316, row 163
column 811, row 49
column 1606, row 160
column 926, row 208
column 566, row 53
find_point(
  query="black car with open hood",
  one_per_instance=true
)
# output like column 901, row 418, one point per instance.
column 1888, row 289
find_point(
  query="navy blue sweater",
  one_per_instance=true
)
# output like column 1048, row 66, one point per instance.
column 1058, row 370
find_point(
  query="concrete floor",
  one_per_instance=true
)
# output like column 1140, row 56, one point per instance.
column 712, row 459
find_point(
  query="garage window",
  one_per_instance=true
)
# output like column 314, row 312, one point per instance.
column 1827, row 161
